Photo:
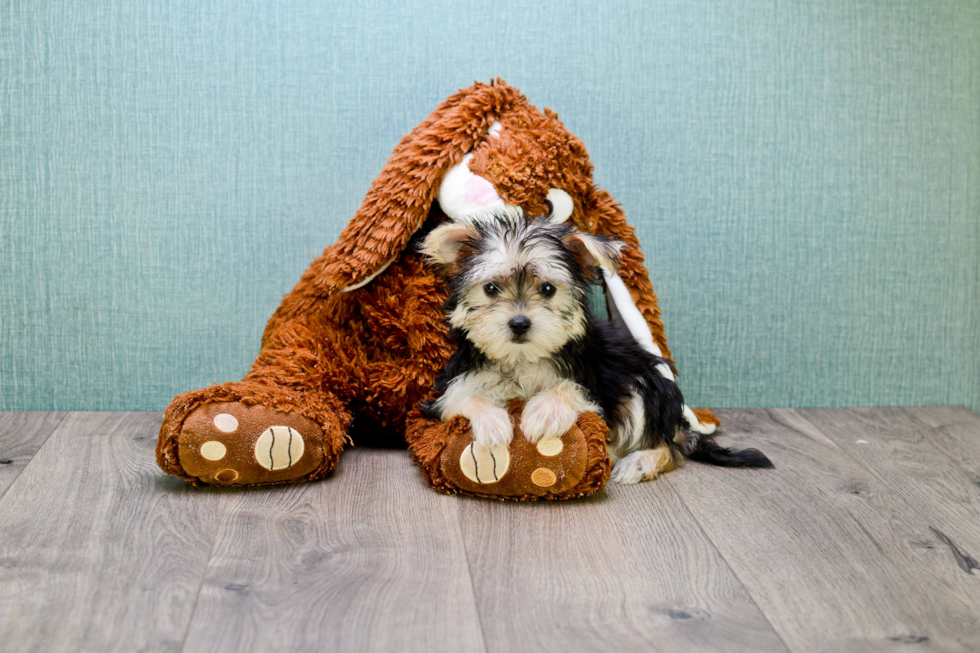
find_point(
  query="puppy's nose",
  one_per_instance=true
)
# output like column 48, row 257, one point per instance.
column 519, row 325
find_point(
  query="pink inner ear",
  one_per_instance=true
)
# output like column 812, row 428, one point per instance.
column 479, row 191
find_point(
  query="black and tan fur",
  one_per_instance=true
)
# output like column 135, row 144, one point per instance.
column 520, row 319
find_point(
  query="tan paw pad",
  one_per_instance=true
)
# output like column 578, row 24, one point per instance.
column 279, row 447
column 543, row 477
column 483, row 464
column 213, row 450
column 550, row 447
column 225, row 423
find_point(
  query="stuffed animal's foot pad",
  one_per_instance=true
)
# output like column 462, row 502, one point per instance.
column 554, row 464
column 482, row 464
column 230, row 443
column 486, row 465
column 574, row 464
column 549, row 447
column 565, row 466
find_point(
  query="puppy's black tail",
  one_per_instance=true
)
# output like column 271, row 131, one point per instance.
column 706, row 450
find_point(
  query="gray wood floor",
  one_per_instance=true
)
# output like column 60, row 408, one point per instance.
column 864, row 538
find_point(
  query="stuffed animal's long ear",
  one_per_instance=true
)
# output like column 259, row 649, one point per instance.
column 608, row 218
column 630, row 293
column 400, row 198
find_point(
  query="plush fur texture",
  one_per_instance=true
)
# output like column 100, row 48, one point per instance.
column 360, row 339
column 523, row 332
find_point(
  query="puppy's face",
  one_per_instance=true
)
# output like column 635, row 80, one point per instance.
column 519, row 286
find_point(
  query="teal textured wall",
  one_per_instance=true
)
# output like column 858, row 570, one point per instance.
column 805, row 178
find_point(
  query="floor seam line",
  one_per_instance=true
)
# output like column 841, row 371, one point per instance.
column 204, row 576
column 469, row 570
column 728, row 564
column 47, row 439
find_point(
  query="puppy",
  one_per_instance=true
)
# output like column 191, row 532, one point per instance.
column 519, row 314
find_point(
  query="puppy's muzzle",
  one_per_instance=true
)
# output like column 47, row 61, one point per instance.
column 519, row 326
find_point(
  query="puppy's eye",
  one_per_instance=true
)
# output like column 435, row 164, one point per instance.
column 491, row 290
column 547, row 290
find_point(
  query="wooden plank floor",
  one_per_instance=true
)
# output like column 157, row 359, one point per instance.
column 866, row 537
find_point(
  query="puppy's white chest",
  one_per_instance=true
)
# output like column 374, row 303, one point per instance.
column 526, row 380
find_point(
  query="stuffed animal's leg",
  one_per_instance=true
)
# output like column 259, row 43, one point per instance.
column 278, row 425
column 574, row 465
column 248, row 433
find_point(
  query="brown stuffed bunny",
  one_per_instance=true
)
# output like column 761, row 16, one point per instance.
column 357, row 344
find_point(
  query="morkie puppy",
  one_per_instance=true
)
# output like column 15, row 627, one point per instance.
column 519, row 314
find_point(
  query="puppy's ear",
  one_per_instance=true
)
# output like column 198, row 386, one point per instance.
column 445, row 244
column 590, row 250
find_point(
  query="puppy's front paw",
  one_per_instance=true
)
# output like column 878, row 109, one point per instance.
column 491, row 426
column 547, row 416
